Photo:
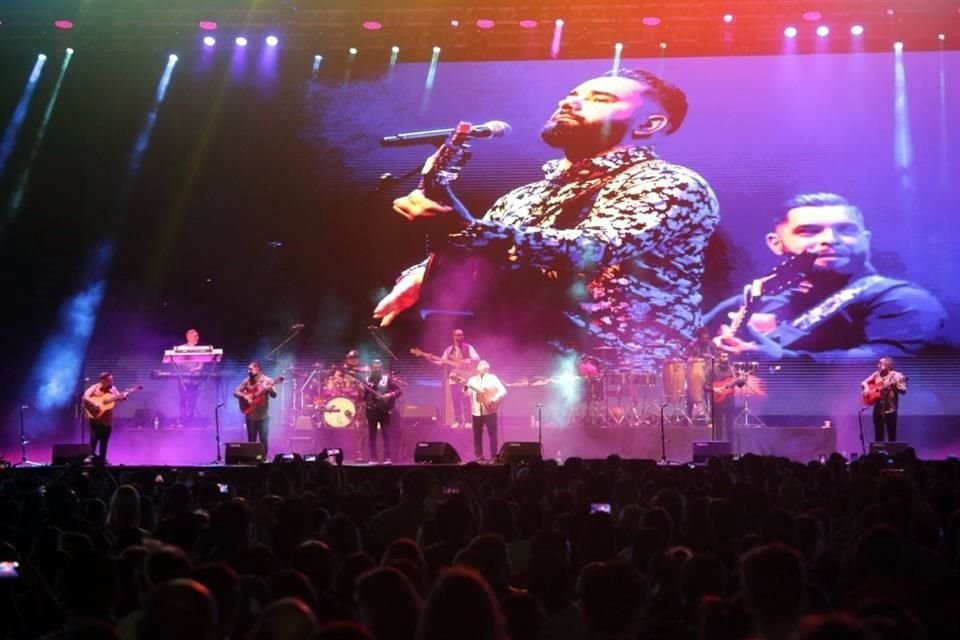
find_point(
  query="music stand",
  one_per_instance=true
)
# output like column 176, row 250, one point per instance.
column 746, row 417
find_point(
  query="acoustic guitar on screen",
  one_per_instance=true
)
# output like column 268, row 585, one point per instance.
column 787, row 275
column 99, row 405
column 484, row 397
column 252, row 399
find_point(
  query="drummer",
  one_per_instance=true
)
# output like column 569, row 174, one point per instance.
column 700, row 354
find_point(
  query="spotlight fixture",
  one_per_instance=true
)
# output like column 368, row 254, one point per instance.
column 394, row 49
column 898, row 46
column 728, row 18
column 69, row 51
column 272, row 40
column 857, row 29
column 173, row 57
column 63, row 24
column 352, row 51
column 812, row 16
column 790, row 32
column 485, row 23
column 372, row 25
column 208, row 25
column 209, row 41
column 528, row 24
column 558, row 22
column 651, row 21
column 241, row 41
column 823, row 31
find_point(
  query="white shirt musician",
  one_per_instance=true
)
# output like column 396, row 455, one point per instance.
column 485, row 392
column 190, row 380
column 889, row 385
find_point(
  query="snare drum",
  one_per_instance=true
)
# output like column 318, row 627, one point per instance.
column 674, row 377
column 339, row 412
column 696, row 379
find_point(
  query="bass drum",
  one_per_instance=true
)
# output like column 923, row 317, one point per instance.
column 696, row 379
column 339, row 412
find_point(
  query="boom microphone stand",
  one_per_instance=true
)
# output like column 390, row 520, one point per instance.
column 24, row 462
column 863, row 444
column 216, row 422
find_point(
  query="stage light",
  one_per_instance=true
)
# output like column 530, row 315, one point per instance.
column 208, row 25
column 790, row 32
column 241, row 41
column 857, row 30
column 663, row 45
column 558, row 22
column 941, row 37
column 173, row 57
column 63, row 24
column 272, row 41
column 436, row 49
column 728, row 18
column 812, row 16
column 890, row 12
column 898, row 46
column 650, row 21
column 823, row 31
column 618, row 47
column 209, row 41
column 528, row 24
column 353, row 51
column 318, row 58
column 394, row 49
column 69, row 51
column 372, row 25
column 454, row 23
column 42, row 57
column 485, row 23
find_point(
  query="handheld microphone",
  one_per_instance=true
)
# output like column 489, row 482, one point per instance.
column 492, row 129
column 297, row 326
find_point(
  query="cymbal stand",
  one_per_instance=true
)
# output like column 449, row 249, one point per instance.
column 746, row 417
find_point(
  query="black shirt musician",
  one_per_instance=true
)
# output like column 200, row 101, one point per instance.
column 888, row 385
column 380, row 394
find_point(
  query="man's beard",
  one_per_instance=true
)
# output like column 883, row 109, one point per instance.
column 582, row 137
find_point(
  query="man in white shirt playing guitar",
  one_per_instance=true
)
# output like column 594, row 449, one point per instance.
column 99, row 401
column 485, row 391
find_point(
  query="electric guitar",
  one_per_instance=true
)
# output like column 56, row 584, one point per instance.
column 484, row 397
column 382, row 401
column 788, row 274
column 99, row 405
column 461, row 367
column 877, row 389
column 250, row 400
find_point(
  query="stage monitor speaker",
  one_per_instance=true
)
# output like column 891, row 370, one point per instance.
column 889, row 448
column 520, row 452
column 703, row 449
column 435, row 453
column 415, row 415
column 68, row 453
column 244, row 452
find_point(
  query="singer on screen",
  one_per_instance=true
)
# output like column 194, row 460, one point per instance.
column 611, row 239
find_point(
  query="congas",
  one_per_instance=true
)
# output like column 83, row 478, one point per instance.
column 339, row 412
column 696, row 379
column 674, row 376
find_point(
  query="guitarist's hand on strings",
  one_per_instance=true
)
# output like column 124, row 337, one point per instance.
column 417, row 205
column 404, row 295
column 759, row 344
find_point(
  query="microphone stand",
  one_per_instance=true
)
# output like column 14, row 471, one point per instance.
column 216, row 421
column 23, row 445
column 863, row 445
column 276, row 350
column 663, row 436
column 540, row 427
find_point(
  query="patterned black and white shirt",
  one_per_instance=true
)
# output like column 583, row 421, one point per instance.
column 630, row 230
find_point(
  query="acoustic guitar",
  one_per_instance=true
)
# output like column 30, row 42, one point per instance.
column 877, row 389
column 484, row 397
column 251, row 400
column 99, row 405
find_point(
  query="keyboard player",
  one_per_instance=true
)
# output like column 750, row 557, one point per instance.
column 190, row 381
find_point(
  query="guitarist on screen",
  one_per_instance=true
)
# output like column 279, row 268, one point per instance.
column 485, row 391
column 380, row 393
column 883, row 389
column 254, row 394
column 99, row 401
column 845, row 309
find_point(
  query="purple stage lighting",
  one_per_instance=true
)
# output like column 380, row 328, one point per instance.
column 209, row 41
column 790, row 32
column 857, row 29
column 812, row 16
column 63, row 24
column 528, row 24
column 454, row 23
column 241, row 41
column 823, row 31
column 272, row 41
column 651, row 21
column 485, row 23
column 728, row 18
column 372, row 25
column 208, row 25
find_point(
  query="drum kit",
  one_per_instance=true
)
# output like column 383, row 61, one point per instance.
column 331, row 396
column 614, row 396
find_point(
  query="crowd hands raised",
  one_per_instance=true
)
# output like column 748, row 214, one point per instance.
column 756, row 548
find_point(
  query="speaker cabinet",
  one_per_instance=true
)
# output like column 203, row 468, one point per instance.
column 519, row 452
column 889, row 448
column 703, row 449
column 418, row 415
column 244, row 452
column 67, row 453
column 435, row 453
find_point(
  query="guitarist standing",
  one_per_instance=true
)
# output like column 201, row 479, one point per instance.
column 485, row 391
column 380, row 394
column 101, row 420
column 466, row 357
column 889, row 385
column 257, row 390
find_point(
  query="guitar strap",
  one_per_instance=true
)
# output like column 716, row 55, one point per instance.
column 787, row 333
